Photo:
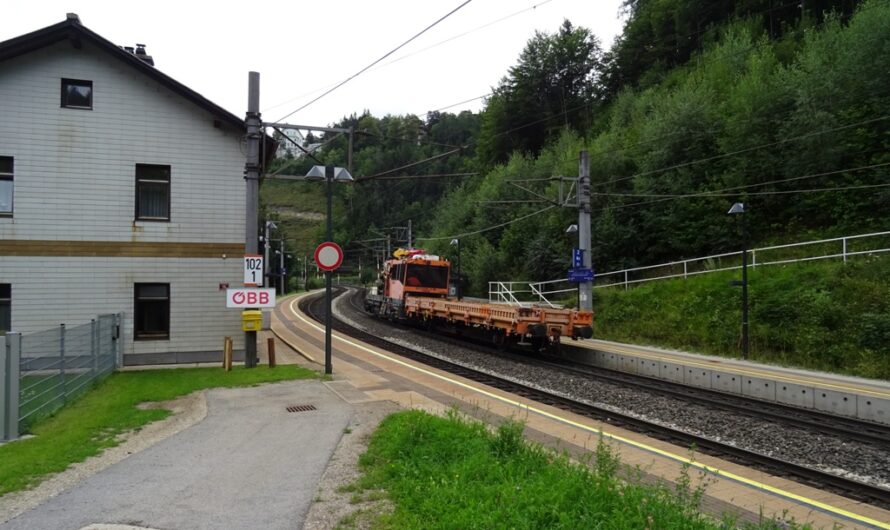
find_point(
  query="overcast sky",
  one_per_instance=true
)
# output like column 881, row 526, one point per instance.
column 301, row 48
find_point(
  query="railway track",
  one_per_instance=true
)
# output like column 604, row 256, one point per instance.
column 851, row 488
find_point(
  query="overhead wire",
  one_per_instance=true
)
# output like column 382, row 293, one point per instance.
column 387, row 54
column 718, row 193
column 480, row 231
column 741, row 151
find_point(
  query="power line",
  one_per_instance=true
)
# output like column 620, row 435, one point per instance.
column 425, row 160
column 402, row 139
column 465, row 234
column 365, row 69
column 439, row 175
column 741, row 151
column 455, row 37
column 721, row 192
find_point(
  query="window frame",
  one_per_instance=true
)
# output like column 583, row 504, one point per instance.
column 67, row 82
column 139, row 180
column 142, row 335
column 6, row 300
column 9, row 176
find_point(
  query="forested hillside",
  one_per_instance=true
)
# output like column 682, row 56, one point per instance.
column 697, row 105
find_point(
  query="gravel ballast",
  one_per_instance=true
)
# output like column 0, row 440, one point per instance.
column 829, row 453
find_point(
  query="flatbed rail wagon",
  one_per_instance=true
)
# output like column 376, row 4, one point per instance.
column 414, row 287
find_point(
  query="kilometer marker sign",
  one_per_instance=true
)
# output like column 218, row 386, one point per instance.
column 328, row 256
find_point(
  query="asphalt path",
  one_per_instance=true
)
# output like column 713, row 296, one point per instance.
column 249, row 464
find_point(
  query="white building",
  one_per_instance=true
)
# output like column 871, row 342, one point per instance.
column 288, row 145
column 121, row 190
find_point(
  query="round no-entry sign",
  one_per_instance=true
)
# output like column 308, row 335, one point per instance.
column 328, row 256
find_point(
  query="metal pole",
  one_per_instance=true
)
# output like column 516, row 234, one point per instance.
column 585, row 293
column 744, row 291
column 329, row 178
column 62, row 362
column 13, row 360
column 458, row 271
column 252, row 168
column 266, row 248
column 4, row 356
column 94, row 348
column 281, row 270
column 349, row 150
column 410, row 241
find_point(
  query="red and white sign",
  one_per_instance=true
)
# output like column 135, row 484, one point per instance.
column 250, row 298
column 328, row 256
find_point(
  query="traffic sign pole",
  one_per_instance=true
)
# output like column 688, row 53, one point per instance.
column 328, row 364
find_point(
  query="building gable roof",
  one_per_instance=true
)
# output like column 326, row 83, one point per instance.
column 72, row 30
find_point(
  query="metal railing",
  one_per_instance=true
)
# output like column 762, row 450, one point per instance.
column 40, row 372
column 835, row 248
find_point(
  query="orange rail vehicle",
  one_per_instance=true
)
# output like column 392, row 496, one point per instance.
column 414, row 287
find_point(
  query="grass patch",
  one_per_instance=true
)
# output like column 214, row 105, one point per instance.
column 92, row 423
column 454, row 473
column 826, row 316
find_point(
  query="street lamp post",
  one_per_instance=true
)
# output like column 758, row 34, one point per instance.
column 739, row 209
column 329, row 174
column 454, row 242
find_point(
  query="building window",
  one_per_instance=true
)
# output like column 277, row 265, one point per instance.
column 152, row 311
column 5, row 308
column 6, row 186
column 152, row 192
column 77, row 94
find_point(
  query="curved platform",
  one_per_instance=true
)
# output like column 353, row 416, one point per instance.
column 865, row 399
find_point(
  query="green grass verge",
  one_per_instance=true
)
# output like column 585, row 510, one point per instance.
column 453, row 473
column 822, row 315
column 92, row 423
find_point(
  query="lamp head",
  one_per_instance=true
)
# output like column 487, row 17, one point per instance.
column 572, row 229
column 315, row 174
column 342, row 175
column 737, row 208
column 455, row 241
column 271, row 225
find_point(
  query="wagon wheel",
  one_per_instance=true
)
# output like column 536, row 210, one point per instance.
column 539, row 344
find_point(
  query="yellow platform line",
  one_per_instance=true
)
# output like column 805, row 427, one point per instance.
column 679, row 458
column 735, row 369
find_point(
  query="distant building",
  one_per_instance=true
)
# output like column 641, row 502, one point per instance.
column 121, row 189
column 288, row 146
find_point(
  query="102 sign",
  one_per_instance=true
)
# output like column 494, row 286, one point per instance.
column 253, row 269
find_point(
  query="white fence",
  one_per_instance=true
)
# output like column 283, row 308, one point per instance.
column 526, row 293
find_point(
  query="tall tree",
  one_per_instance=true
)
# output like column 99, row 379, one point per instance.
column 550, row 89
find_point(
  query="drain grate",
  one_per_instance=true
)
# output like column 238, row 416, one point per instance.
column 300, row 408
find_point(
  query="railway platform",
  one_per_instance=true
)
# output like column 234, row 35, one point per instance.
column 365, row 373
column 865, row 399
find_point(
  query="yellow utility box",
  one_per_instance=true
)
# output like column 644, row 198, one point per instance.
column 251, row 320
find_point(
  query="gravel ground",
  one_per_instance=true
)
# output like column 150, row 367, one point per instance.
column 829, row 453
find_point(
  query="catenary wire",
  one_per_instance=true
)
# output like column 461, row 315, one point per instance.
column 365, row 69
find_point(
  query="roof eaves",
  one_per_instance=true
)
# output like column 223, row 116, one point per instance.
column 71, row 29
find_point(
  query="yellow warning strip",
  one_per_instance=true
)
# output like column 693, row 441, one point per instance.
column 732, row 476
column 735, row 369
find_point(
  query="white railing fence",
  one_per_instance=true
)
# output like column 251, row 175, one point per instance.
column 837, row 248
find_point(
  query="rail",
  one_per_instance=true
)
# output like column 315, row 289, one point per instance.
column 40, row 372
column 836, row 248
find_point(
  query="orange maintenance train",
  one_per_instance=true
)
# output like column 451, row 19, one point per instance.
column 414, row 287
